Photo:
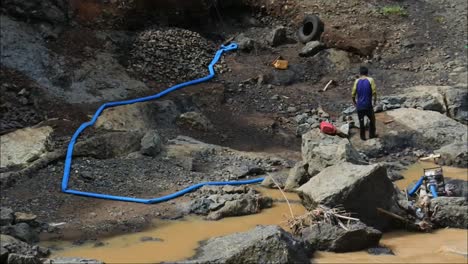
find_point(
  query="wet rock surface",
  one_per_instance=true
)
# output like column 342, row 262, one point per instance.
column 328, row 237
column 450, row 212
column 64, row 260
column 260, row 245
column 380, row 251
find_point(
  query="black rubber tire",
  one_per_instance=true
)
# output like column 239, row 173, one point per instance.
column 311, row 29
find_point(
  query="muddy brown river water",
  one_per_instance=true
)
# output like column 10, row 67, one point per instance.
column 179, row 238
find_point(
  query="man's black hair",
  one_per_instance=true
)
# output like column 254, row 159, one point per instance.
column 363, row 70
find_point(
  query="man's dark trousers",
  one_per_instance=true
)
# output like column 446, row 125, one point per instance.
column 370, row 114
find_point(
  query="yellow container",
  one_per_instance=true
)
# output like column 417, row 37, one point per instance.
column 280, row 64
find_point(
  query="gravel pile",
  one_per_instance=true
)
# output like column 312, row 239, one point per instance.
column 171, row 55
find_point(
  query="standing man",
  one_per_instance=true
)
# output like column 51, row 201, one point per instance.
column 365, row 89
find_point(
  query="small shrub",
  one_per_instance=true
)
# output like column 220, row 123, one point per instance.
column 440, row 19
column 394, row 10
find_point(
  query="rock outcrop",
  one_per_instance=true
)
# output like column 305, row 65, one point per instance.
column 448, row 100
column 23, row 145
column 264, row 244
column 360, row 189
column 15, row 251
column 320, row 151
column 218, row 202
column 325, row 236
column 140, row 116
column 455, row 154
column 429, row 128
column 450, row 212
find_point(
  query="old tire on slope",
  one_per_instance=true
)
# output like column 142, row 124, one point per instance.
column 311, row 29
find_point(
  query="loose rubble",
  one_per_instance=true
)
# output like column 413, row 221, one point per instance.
column 220, row 202
column 171, row 54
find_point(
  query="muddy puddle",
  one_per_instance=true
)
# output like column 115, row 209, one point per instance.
column 174, row 240
column 179, row 237
column 440, row 246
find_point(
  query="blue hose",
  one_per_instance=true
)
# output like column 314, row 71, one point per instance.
column 71, row 145
column 433, row 190
column 416, row 186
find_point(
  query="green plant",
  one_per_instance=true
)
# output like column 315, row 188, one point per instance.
column 394, row 10
column 440, row 19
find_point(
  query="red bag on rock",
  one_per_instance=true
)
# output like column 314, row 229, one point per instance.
column 327, row 128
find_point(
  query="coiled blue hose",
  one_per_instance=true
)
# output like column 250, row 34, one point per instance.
column 71, row 145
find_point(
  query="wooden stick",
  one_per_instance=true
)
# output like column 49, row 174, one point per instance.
column 432, row 156
column 284, row 195
column 326, row 86
column 388, row 121
column 346, row 217
column 392, row 214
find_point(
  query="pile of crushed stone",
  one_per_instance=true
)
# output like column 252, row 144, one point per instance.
column 171, row 55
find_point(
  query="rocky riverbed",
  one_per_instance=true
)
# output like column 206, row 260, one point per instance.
column 62, row 59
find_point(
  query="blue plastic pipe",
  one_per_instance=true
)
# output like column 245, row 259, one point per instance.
column 433, row 191
column 416, row 186
column 71, row 145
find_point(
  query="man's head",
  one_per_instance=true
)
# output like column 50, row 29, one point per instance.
column 363, row 71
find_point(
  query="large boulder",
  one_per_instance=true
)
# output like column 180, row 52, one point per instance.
column 23, row 145
column 457, row 103
column 264, row 244
column 455, row 154
column 443, row 99
column 320, row 151
column 450, row 212
column 429, row 128
column 325, row 236
column 360, row 189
